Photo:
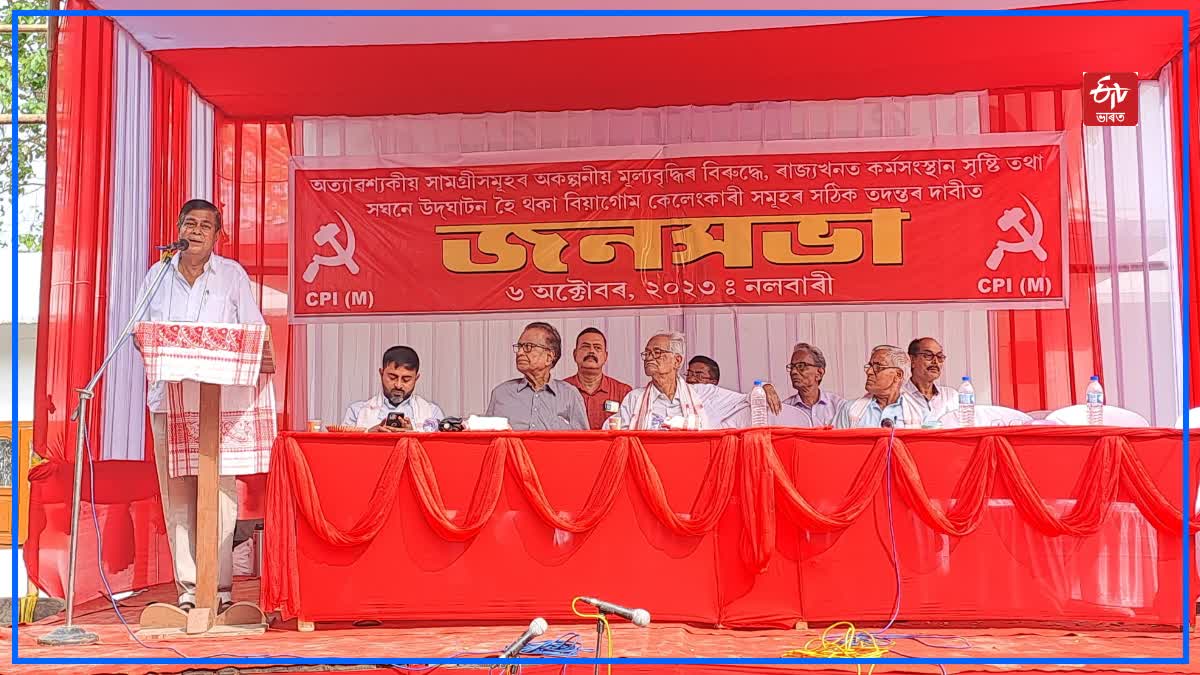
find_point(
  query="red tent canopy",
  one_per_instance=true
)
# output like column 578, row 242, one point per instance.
column 294, row 72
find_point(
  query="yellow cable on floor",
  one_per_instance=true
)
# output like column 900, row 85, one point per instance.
column 607, row 628
column 28, row 605
column 849, row 644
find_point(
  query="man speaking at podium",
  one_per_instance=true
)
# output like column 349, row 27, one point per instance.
column 201, row 288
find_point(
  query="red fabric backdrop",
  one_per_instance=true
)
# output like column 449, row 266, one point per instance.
column 170, row 152
column 842, row 61
column 250, row 185
column 1045, row 357
column 71, row 324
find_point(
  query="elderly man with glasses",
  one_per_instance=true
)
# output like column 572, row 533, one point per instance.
column 807, row 370
column 536, row 400
column 883, row 405
column 927, row 359
column 668, row 401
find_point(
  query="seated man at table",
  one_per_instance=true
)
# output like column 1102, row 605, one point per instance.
column 702, row 370
column 398, row 377
column 536, row 401
column 927, row 359
column 668, row 400
column 886, row 373
column 818, row 405
column 597, row 389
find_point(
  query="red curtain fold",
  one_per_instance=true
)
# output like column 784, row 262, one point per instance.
column 71, row 325
column 250, row 185
column 744, row 461
column 1043, row 358
column 170, row 152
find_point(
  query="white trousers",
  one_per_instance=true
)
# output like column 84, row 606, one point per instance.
column 179, row 514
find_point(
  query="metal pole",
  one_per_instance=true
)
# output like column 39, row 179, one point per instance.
column 599, row 641
column 70, row 634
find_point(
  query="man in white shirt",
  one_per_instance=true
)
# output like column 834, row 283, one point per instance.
column 927, row 358
column 669, row 401
column 397, row 378
column 201, row 287
column 886, row 371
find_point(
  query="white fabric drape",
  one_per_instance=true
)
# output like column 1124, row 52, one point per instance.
column 124, row 385
column 1131, row 195
column 463, row 359
column 124, row 407
column 201, row 140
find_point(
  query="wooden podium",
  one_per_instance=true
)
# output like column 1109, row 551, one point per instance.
column 167, row 621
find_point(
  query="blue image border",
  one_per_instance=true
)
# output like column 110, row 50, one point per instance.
column 1185, row 230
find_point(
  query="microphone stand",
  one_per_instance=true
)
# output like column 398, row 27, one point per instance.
column 70, row 634
column 600, row 624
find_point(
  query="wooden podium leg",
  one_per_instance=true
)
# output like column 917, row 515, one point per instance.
column 163, row 621
column 207, row 495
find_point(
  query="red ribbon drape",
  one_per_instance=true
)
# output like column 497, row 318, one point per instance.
column 744, row 461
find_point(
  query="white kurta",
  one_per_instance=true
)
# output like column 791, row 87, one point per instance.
column 373, row 411
column 221, row 294
column 716, row 408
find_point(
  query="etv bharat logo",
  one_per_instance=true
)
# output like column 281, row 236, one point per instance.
column 1110, row 99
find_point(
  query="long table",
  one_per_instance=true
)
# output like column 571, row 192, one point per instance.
column 752, row 528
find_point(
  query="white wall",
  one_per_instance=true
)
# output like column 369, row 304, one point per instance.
column 26, row 354
column 463, row 359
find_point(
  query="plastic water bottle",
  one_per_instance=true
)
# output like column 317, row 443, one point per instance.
column 966, row 403
column 758, row 405
column 1095, row 402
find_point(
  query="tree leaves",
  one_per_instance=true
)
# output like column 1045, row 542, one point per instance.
column 31, row 100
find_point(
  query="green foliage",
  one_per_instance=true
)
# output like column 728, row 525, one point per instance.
column 31, row 99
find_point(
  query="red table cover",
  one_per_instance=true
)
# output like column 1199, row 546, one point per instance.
column 736, row 528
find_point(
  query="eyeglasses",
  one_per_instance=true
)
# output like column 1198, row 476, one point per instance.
column 800, row 367
column 879, row 367
column 198, row 226
column 655, row 354
column 526, row 347
column 930, row 356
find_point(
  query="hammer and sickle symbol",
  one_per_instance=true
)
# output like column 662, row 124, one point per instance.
column 327, row 236
column 1029, row 243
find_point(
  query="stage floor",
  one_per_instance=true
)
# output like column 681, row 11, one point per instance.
column 659, row 641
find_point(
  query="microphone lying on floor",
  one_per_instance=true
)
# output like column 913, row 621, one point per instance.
column 536, row 628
